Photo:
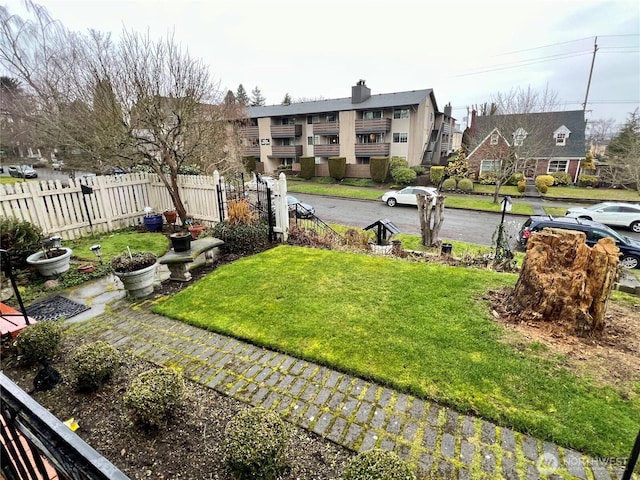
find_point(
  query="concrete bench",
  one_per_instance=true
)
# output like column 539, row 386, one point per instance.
column 178, row 262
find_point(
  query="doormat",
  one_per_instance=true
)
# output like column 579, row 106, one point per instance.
column 55, row 308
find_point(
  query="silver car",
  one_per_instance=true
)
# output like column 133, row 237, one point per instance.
column 616, row 214
column 407, row 196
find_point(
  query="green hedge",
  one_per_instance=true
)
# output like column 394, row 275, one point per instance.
column 249, row 163
column 435, row 174
column 307, row 167
column 588, row 180
column 337, row 167
column 379, row 168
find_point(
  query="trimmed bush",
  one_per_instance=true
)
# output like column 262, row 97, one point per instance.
column 243, row 238
column 515, row 179
column 249, row 163
column 377, row 465
column 255, row 444
column 419, row 169
column 543, row 188
column 20, row 239
column 544, row 180
column 307, row 167
column 489, row 178
column 403, row 175
column 94, row 363
column 397, row 162
column 435, row 174
column 465, row 185
column 39, row 341
column 153, row 395
column 337, row 168
column 522, row 186
column 449, row 184
column 561, row 178
column 588, row 180
column 379, row 168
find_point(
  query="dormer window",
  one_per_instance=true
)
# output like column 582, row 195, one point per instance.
column 518, row 137
column 561, row 135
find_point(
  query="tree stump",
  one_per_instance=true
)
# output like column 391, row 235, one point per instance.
column 566, row 282
column 431, row 217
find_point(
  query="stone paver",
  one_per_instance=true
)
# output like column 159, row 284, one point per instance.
column 350, row 411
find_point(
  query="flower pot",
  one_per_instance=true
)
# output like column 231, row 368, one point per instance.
column 181, row 241
column 87, row 268
column 196, row 230
column 50, row 267
column 170, row 216
column 139, row 284
column 153, row 223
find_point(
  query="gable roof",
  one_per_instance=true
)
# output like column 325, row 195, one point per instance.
column 546, row 124
column 383, row 100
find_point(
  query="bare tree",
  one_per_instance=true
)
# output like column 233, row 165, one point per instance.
column 138, row 101
column 600, row 131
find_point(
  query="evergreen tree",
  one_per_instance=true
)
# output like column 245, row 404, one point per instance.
column 287, row 99
column 257, row 100
column 241, row 95
column 229, row 98
column 628, row 139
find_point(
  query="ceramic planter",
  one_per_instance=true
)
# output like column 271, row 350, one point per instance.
column 139, row 283
column 181, row 241
column 50, row 267
column 153, row 223
column 196, row 230
column 170, row 216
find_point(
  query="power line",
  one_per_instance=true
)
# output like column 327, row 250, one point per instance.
column 523, row 63
column 565, row 43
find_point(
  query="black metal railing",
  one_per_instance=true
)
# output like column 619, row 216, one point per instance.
column 35, row 444
column 303, row 218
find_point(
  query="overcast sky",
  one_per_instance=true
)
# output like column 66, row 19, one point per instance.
column 465, row 50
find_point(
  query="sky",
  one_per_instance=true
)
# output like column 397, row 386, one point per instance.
column 466, row 51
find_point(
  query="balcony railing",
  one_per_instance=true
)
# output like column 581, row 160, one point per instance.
column 286, row 131
column 35, row 444
column 250, row 132
column 373, row 126
column 254, row 150
column 372, row 149
column 326, row 150
column 328, row 128
column 286, row 151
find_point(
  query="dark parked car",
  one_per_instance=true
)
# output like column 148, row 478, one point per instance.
column 629, row 248
column 22, row 171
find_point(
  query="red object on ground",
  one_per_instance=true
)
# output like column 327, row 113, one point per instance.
column 12, row 321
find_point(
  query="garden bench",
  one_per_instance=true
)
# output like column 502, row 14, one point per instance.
column 178, row 262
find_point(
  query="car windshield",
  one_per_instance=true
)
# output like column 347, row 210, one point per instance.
column 292, row 200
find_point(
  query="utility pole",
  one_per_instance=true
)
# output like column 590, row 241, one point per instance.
column 593, row 60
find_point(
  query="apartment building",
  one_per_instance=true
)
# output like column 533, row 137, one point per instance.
column 401, row 124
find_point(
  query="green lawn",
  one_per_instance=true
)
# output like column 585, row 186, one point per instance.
column 594, row 193
column 113, row 244
column 418, row 327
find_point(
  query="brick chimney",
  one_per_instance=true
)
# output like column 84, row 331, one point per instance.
column 447, row 109
column 360, row 92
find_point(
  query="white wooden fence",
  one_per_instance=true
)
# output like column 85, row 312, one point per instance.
column 114, row 202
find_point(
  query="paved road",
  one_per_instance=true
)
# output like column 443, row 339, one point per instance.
column 463, row 225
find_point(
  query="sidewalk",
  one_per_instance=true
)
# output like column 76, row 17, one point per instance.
column 347, row 410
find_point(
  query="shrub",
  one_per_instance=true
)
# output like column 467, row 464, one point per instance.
column 419, row 169
column 515, row 179
column 243, row 238
column 488, row 178
column 240, row 212
column 189, row 170
column 379, row 168
column 449, row 184
column 459, row 167
column 249, row 163
column 561, row 178
column 255, row 443
column 436, row 174
column 20, row 239
column 588, row 180
column 154, row 394
column 544, row 180
column 403, row 175
column 94, row 363
column 465, row 185
column 522, row 186
column 307, row 167
column 543, row 188
column 337, row 167
column 39, row 341
column 377, row 465
column 397, row 162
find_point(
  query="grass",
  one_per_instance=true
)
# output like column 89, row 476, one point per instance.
column 594, row 193
column 421, row 328
column 555, row 211
column 115, row 243
column 510, row 190
column 11, row 180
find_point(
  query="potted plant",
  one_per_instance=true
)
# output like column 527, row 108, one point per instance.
column 181, row 241
column 53, row 259
column 152, row 221
column 137, row 271
column 171, row 216
column 195, row 228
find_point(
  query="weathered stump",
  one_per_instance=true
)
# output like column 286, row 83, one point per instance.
column 564, row 281
column 431, row 217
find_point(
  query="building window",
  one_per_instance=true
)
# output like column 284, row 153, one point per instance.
column 561, row 139
column 400, row 137
column 332, row 139
column 494, row 139
column 362, row 160
column 288, row 121
column 309, row 140
column 331, row 117
column 557, row 166
column 373, row 115
column 401, row 113
column 370, row 138
column 488, row 166
column 519, row 136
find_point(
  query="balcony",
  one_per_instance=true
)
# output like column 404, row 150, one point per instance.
column 332, row 150
column 328, row 128
column 287, row 151
column 249, row 132
column 372, row 149
column 373, row 126
column 286, row 131
column 253, row 150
